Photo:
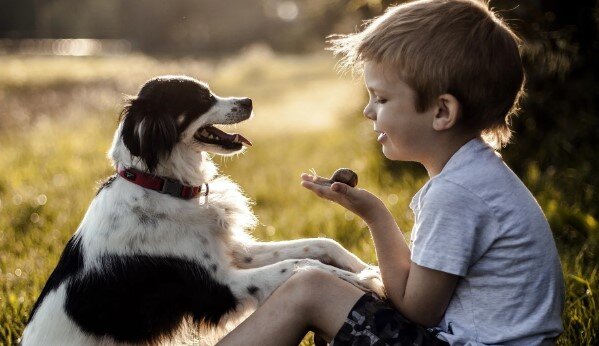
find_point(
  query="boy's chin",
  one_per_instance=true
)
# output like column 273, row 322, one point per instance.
column 390, row 154
column 396, row 155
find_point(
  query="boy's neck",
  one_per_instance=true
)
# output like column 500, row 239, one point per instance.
column 442, row 151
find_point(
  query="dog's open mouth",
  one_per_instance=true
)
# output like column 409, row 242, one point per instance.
column 211, row 135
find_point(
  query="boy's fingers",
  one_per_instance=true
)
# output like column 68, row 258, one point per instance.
column 306, row 176
column 321, row 190
column 316, row 179
column 349, row 193
column 312, row 186
column 340, row 188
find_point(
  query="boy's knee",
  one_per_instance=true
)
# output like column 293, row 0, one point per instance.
column 305, row 287
column 307, row 279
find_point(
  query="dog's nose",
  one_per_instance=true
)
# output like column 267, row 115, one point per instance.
column 246, row 103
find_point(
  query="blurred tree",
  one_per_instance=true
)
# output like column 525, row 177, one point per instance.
column 18, row 17
column 179, row 26
column 557, row 131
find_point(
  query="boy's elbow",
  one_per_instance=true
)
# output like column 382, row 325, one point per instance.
column 427, row 317
column 430, row 321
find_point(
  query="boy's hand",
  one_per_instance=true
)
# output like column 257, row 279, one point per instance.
column 359, row 201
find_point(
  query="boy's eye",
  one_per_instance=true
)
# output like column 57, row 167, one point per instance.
column 380, row 100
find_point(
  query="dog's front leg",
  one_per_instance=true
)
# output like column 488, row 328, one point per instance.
column 328, row 251
column 257, row 284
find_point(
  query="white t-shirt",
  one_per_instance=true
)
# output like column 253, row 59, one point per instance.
column 477, row 220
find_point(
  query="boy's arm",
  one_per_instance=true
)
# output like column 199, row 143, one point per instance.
column 420, row 294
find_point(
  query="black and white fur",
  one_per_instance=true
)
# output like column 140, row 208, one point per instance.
column 143, row 266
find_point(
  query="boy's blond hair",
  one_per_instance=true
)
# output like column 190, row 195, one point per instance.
column 458, row 47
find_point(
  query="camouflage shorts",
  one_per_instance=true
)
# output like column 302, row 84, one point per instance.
column 373, row 322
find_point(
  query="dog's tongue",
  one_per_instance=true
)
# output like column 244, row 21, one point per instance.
column 233, row 137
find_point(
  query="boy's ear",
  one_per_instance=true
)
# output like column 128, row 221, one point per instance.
column 449, row 110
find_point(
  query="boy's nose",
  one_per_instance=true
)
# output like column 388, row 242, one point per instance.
column 369, row 113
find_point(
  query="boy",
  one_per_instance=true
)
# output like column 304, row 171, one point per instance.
column 443, row 79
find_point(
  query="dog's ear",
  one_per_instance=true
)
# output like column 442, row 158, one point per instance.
column 148, row 133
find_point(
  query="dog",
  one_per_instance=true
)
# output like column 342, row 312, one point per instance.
column 164, row 246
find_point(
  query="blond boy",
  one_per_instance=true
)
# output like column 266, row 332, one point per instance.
column 443, row 79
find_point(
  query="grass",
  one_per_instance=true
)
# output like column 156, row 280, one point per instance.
column 57, row 116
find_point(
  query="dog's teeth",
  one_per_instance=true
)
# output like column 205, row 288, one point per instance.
column 236, row 140
column 205, row 133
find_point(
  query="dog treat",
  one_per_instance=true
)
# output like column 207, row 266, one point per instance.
column 342, row 175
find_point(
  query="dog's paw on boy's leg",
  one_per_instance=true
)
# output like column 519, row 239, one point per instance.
column 372, row 275
column 372, row 284
column 368, row 280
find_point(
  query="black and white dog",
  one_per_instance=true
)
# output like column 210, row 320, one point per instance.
column 163, row 246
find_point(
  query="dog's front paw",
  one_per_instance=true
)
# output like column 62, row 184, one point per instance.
column 370, row 280
column 371, row 272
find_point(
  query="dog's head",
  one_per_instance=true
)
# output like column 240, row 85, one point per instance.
column 178, row 113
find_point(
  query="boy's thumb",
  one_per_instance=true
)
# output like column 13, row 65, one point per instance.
column 340, row 188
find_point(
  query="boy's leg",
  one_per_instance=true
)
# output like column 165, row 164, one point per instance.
column 310, row 300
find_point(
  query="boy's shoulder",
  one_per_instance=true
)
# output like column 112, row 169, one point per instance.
column 476, row 161
column 478, row 178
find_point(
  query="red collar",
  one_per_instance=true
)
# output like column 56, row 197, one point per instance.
column 161, row 184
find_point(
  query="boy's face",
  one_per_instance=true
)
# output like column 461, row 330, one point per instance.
column 402, row 131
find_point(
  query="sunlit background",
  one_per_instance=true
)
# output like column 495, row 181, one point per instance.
column 65, row 66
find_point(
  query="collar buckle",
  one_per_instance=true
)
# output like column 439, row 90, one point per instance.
column 171, row 187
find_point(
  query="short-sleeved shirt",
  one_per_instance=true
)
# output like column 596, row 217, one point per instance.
column 477, row 220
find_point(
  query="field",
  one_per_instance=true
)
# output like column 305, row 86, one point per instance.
column 57, row 117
